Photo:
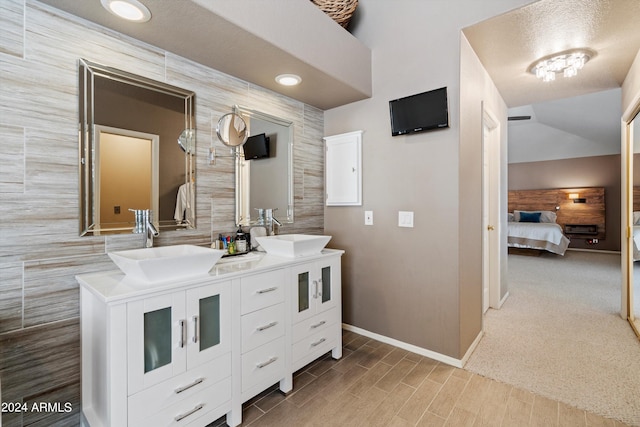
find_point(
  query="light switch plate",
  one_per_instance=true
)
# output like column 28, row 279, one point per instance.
column 368, row 217
column 405, row 219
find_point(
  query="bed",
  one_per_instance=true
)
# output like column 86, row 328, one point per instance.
column 539, row 231
column 636, row 242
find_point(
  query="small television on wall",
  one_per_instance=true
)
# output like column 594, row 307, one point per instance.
column 256, row 147
column 419, row 113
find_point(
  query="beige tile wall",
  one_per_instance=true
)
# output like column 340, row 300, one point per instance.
column 40, row 249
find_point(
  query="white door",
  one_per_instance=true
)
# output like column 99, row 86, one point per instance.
column 156, row 340
column 209, row 320
column 303, row 287
column 490, row 213
column 343, row 169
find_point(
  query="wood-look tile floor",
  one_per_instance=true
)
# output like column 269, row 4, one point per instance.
column 376, row 384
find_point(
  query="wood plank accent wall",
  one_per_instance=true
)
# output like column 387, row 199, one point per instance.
column 40, row 249
column 636, row 199
column 591, row 212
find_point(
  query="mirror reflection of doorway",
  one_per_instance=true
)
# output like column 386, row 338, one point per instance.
column 125, row 175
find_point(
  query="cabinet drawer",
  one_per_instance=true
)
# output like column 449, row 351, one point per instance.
column 191, row 408
column 262, row 326
column 263, row 364
column 262, row 290
column 315, row 344
column 153, row 399
column 315, row 324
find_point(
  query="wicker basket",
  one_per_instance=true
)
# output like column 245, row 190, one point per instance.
column 340, row 11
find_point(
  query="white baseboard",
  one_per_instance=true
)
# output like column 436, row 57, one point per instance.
column 504, row 298
column 458, row 363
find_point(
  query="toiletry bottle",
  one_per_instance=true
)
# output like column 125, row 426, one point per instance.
column 231, row 246
column 224, row 243
column 241, row 240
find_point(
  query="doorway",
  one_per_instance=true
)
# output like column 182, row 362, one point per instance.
column 490, row 211
column 631, row 217
column 124, row 160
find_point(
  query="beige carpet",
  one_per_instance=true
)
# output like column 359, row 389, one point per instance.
column 560, row 335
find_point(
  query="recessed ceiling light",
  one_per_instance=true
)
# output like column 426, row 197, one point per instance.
column 131, row 10
column 288, row 79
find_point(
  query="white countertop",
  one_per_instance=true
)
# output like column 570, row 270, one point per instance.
column 113, row 286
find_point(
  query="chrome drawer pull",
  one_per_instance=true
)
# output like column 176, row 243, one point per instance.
column 317, row 343
column 264, row 291
column 183, row 333
column 196, row 329
column 270, row 325
column 317, row 325
column 187, row 387
column 267, row 363
column 186, row 414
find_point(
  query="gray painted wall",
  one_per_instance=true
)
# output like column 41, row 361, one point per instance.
column 418, row 285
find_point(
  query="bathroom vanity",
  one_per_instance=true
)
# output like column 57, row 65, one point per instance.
column 186, row 352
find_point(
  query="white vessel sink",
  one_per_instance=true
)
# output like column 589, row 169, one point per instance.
column 293, row 245
column 166, row 263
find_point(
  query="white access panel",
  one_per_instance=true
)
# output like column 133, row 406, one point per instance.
column 343, row 169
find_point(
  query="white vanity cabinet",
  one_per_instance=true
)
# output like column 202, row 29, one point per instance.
column 315, row 310
column 187, row 353
column 163, row 358
column 171, row 333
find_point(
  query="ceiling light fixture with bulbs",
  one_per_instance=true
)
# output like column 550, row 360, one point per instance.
column 567, row 62
column 131, row 10
column 289, row 79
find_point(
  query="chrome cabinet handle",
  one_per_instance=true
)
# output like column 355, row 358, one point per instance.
column 270, row 325
column 317, row 325
column 264, row 291
column 196, row 329
column 315, row 289
column 319, row 288
column 187, row 387
column 183, row 333
column 191, row 412
column 317, row 343
column 267, row 363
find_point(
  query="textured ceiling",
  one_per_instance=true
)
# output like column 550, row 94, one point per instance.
column 508, row 44
column 571, row 117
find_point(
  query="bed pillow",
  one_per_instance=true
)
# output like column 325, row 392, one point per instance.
column 636, row 217
column 530, row 216
column 511, row 217
column 545, row 216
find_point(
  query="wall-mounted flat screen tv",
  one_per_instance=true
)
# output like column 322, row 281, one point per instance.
column 256, row 147
column 418, row 113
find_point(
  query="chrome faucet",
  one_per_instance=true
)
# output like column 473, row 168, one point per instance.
column 275, row 230
column 144, row 225
column 266, row 219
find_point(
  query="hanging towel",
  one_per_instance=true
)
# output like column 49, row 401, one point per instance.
column 185, row 203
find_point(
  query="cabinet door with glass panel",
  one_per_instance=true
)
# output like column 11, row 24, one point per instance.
column 171, row 333
column 316, row 288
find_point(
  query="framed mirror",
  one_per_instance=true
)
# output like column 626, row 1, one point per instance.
column 137, row 148
column 264, row 168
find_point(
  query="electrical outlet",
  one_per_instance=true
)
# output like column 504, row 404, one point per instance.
column 368, row 217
